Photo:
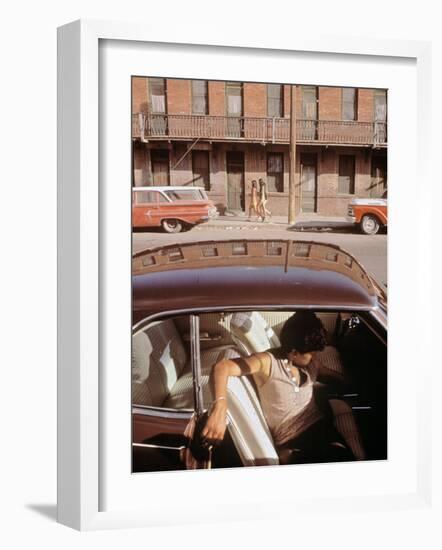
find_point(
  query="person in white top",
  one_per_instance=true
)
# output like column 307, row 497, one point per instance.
column 301, row 423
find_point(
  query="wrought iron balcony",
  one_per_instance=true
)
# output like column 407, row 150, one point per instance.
column 257, row 130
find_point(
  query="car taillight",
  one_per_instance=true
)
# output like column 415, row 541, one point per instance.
column 350, row 211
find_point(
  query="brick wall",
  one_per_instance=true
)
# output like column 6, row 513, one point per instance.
column 255, row 100
column 139, row 95
column 365, row 105
column 329, row 203
column 217, row 98
column 178, row 97
column 330, row 103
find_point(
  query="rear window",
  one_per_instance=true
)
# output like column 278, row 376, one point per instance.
column 186, row 194
column 141, row 197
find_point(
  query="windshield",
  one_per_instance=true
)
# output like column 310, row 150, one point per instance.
column 186, row 194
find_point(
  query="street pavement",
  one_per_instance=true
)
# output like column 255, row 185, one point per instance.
column 369, row 250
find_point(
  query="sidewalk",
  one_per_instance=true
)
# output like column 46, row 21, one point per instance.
column 303, row 222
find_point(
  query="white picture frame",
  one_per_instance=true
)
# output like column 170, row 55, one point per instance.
column 82, row 295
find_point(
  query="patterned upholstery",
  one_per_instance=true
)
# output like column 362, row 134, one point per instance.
column 345, row 423
column 252, row 333
column 330, row 364
column 158, row 358
column 329, row 323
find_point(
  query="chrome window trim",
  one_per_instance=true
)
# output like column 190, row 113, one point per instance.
column 195, row 362
column 167, row 314
column 163, row 412
column 163, row 447
column 378, row 318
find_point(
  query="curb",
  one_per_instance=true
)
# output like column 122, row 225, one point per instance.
column 243, row 226
column 300, row 226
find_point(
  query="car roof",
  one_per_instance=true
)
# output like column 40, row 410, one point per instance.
column 165, row 188
column 243, row 273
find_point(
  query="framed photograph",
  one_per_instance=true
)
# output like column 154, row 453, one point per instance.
column 224, row 242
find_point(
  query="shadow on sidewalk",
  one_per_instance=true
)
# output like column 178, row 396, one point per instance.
column 323, row 225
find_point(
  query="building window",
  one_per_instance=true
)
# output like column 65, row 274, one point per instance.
column 200, row 104
column 309, row 102
column 275, row 100
column 275, row 172
column 380, row 105
column 346, row 181
column 160, row 167
column 200, row 169
column 234, row 99
column 234, row 109
column 349, row 104
column 157, row 87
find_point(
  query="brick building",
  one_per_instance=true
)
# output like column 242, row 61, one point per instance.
column 222, row 135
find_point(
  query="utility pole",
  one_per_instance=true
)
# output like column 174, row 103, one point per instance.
column 292, row 176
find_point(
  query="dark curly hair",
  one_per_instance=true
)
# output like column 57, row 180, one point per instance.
column 303, row 332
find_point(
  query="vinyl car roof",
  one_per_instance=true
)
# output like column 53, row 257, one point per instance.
column 239, row 274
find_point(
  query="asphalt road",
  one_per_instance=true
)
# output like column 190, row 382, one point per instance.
column 370, row 251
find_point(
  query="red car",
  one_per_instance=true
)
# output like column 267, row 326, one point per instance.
column 172, row 208
column 369, row 214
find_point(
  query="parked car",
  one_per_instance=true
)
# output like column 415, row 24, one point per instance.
column 172, row 208
column 369, row 214
column 196, row 303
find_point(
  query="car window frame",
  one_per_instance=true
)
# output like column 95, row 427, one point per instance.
column 198, row 402
column 194, row 192
column 157, row 194
column 369, row 316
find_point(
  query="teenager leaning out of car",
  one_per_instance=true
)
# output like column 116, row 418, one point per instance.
column 301, row 423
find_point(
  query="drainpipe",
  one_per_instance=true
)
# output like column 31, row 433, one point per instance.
column 292, row 175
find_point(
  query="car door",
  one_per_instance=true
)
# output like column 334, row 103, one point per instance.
column 146, row 208
column 163, row 437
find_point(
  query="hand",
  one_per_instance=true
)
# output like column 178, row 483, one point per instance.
column 215, row 428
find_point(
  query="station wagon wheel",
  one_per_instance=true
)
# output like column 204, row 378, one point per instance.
column 172, row 225
column 369, row 225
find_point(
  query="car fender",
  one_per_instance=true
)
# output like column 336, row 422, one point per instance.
column 378, row 211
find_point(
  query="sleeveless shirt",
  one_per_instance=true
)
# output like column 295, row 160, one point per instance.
column 289, row 409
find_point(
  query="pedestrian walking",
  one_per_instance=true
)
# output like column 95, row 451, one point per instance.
column 253, row 204
column 262, row 210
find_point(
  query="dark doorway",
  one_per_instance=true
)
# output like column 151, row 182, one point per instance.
column 378, row 175
column 200, row 169
column 235, row 181
column 309, row 183
column 160, row 167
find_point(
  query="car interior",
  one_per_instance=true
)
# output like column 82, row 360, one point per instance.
column 353, row 370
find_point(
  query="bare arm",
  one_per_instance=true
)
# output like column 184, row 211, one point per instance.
column 215, row 427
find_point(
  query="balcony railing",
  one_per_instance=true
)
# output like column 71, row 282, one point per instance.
column 259, row 130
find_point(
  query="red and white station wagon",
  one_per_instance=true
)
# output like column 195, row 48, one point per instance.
column 173, row 207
